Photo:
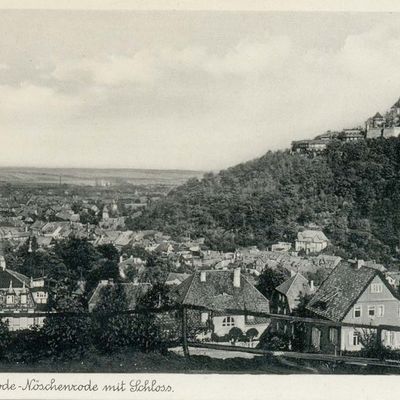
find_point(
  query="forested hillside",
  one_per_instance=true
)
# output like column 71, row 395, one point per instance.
column 352, row 191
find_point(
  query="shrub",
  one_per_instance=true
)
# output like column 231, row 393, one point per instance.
column 67, row 337
column 27, row 346
column 5, row 338
column 275, row 341
column 235, row 334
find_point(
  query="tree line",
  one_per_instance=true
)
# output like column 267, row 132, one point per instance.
column 351, row 191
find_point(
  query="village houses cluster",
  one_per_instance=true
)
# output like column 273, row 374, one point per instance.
column 218, row 288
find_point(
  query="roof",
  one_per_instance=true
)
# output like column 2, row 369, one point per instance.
column 163, row 247
column 311, row 236
column 16, row 278
column 378, row 115
column 133, row 292
column 173, row 276
column 397, row 104
column 293, row 287
column 341, row 289
column 218, row 293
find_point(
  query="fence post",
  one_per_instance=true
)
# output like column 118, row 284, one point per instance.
column 184, row 333
column 379, row 341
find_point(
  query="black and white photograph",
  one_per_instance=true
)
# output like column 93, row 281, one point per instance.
column 193, row 191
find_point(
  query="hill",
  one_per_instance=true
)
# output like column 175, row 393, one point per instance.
column 89, row 176
column 352, row 191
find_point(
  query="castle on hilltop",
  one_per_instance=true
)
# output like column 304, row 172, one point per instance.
column 384, row 126
column 375, row 127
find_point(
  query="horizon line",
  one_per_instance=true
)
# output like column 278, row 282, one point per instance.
column 105, row 168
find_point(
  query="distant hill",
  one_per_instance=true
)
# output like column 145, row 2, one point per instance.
column 352, row 191
column 88, row 176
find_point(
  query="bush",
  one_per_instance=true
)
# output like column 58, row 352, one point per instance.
column 67, row 337
column 372, row 349
column 275, row 341
column 235, row 334
column 27, row 346
column 5, row 338
column 217, row 338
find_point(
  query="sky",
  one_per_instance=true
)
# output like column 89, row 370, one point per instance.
column 185, row 89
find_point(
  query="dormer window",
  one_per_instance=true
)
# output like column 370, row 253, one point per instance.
column 10, row 299
column 376, row 288
column 23, row 298
column 357, row 311
column 228, row 321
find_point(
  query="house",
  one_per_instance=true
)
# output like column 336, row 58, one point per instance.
column 377, row 121
column 133, row 292
column 134, row 265
column 309, row 146
column 281, row 246
column 351, row 135
column 175, row 279
column 219, row 300
column 287, row 295
column 164, row 248
column 353, row 293
column 21, row 297
column 311, row 241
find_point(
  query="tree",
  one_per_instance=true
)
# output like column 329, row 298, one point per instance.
column 235, row 334
column 109, row 252
column 158, row 296
column 270, row 279
column 301, row 309
column 112, row 329
column 251, row 334
column 104, row 270
column 67, row 334
column 78, row 256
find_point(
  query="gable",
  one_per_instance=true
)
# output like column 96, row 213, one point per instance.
column 368, row 295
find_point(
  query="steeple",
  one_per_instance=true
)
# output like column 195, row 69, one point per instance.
column 10, row 289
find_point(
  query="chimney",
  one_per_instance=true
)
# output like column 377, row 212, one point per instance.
column 2, row 263
column 312, row 286
column 121, row 258
column 236, row 278
column 202, row 276
column 359, row 264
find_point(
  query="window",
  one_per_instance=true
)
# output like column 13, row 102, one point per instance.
column 356, row 338
column 10, row 299
column 389, row 338
column 249, row 318
column 380, row 311
column 333, row 336
column 204, row 317
column 228, row 321
column 23, row 298
column 357, row 311
column 16, row 323
column 371, row 311
column 376, row 288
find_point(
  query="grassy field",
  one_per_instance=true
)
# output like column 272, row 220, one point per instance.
column 88, row 176
column 136, row 362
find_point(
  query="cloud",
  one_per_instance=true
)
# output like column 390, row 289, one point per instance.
column 113, row 70
column 201, row 105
